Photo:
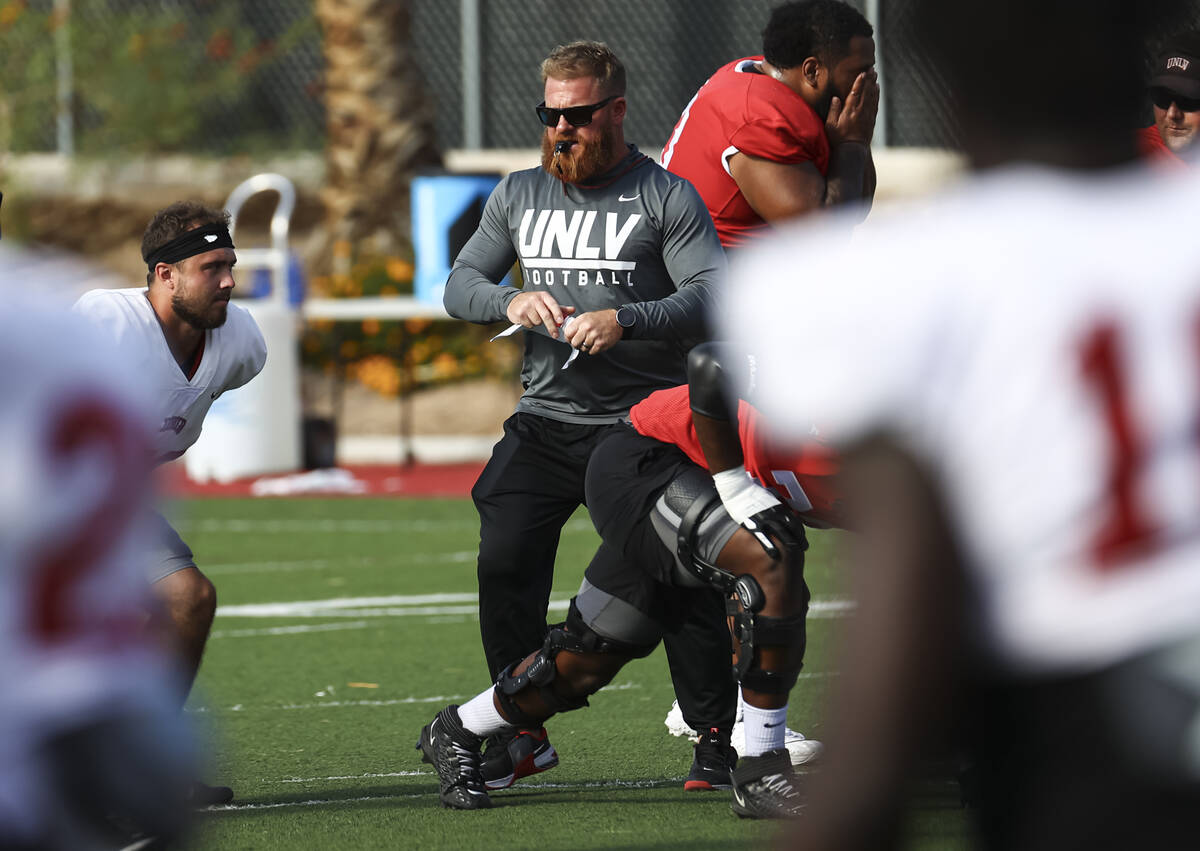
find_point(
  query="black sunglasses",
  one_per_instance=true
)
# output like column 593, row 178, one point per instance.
column 1163, row 98
column 577, row 116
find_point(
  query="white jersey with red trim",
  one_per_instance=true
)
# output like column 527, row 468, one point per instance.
column 233, row 354
column 1034, row 338
column 75, row 452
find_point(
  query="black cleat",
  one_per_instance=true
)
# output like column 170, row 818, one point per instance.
column 453, row 751
column 712, row 762
column 766, row 787
column 511, row 756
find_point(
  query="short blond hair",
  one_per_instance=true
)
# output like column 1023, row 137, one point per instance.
column 586, row 59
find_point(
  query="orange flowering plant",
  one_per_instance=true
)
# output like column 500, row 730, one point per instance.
column 394, row 356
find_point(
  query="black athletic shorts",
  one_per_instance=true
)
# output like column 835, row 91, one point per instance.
column 634, row 572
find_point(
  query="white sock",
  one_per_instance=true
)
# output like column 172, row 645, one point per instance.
column 480, row 715
column 765, row 729
column 741, row 710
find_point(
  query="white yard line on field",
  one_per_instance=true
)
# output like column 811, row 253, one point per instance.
column 320, row 526
column 429, row 605
column 375, row 704
column 287, row 630
column 324, row 526
column 364, row 776
column 343, row 563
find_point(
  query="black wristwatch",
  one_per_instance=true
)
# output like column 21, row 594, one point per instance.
column 626, row 318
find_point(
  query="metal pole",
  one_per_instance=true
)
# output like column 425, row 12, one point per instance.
column 65, row 121
column 472, row 81
column 881, row 133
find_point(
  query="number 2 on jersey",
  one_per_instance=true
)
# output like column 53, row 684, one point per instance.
column 87, row 426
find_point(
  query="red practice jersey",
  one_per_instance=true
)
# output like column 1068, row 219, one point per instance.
column 1152, row 147
column 802, row 475
column 740, row 110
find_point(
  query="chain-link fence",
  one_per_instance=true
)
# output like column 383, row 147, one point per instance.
column 154, row 76
column 223, row 77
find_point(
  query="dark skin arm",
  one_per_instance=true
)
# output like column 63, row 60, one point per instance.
column 779, row 191
column 719, row 442
column 722, row 447
column 899, row 668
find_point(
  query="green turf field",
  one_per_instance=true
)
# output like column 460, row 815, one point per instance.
column 346, row 624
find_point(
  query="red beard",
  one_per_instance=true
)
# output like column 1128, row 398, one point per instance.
column 581, row 161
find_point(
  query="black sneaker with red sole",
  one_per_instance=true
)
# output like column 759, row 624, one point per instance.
column 712, row 762
column 514, row 755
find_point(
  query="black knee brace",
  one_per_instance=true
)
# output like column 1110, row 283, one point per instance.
column 573, row 635
column 539, row 675
column 751, row 631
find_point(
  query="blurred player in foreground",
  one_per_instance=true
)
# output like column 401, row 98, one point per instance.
column 93, row 751
column 679, row 515
column 1021, row 390
column 188, row 344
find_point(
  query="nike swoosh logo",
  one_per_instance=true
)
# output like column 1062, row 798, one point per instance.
column 632, row 198
column 737, row 796
column 208, row 237
column 769, row 726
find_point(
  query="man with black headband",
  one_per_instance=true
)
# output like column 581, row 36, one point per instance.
column 191, row 345
column 620, row 261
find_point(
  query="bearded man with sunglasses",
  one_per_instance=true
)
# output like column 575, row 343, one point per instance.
column 619, row 260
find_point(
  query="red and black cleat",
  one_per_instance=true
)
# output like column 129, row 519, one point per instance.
column 511, row 757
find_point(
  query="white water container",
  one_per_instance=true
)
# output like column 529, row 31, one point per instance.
column 256, row 429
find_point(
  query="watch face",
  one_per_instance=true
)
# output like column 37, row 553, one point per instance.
column 626, row 317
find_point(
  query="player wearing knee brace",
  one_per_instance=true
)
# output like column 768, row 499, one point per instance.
column 668, row 536
column 767, row 490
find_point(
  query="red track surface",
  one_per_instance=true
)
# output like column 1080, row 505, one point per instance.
column 417, row 480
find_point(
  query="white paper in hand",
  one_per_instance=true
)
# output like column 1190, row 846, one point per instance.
column 515, row 327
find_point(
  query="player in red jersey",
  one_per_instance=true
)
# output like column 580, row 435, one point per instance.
column 775, row 136
column 679, row 515
column 800, row 475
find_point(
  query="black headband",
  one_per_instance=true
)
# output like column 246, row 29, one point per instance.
column 189, row 244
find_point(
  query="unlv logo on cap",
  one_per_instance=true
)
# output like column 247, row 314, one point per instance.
column 1178, row 62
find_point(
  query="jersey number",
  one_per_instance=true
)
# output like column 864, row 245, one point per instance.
column 1126, row 530
column 87, row 426
column 796, row 495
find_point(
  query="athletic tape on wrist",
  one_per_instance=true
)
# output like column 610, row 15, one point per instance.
column 741, row 495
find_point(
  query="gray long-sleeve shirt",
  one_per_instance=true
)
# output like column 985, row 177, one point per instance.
column 638, row 236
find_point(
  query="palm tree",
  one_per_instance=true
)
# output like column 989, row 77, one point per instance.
column 380, row 127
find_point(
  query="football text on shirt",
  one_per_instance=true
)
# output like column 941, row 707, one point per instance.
column 555, row 250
